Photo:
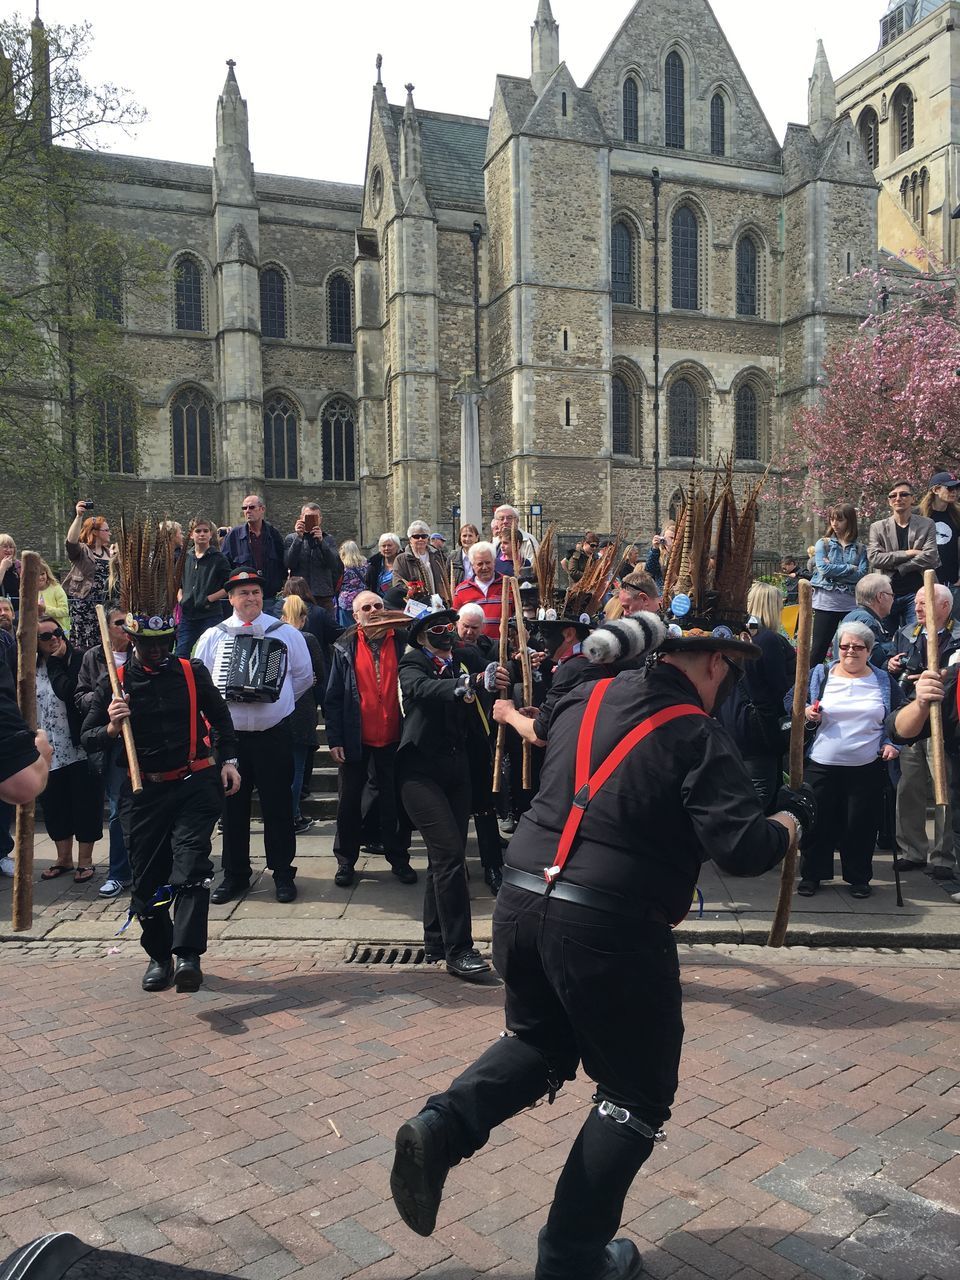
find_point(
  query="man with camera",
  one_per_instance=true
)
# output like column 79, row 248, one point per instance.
column 914, row 849
column 312, row 554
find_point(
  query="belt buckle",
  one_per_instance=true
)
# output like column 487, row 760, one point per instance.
column 551, row 875
column 581, row 797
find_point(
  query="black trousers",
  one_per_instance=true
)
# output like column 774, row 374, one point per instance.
column 440, row 808
column 167, row 829
column 848, row 815
column 266, row 762
column 581, row 985
column 825, row 623
column 353, row 783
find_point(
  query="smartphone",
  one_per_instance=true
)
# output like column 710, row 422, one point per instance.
column 88, row 505
column 311, row 521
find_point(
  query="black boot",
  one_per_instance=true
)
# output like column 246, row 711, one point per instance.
column 187, row 974
column 494, row 878
column 159, row 975
column 621, row 1261
column 420, row 1168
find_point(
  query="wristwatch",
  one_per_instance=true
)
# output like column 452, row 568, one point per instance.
column 235, row 762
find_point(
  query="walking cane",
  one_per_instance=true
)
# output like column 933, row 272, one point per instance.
column 501, row 728
column 126, row 729
column 27, row 701
column 938, row 760
column 527, row 674
column 788, row 868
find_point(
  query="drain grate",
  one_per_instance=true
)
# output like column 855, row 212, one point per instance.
column 384, row 953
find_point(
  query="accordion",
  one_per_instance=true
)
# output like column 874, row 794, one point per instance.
column 250, row 668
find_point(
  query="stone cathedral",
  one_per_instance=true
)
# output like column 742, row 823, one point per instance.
column 631, row 275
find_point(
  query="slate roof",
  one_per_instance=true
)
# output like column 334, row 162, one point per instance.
column 453, row 149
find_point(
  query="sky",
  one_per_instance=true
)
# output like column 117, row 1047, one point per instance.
column 307, row 72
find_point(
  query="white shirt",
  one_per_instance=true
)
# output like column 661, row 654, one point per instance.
column 253, row 717
column 851, row 725
column 484, row 586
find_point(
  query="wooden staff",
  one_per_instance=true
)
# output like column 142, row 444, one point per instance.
column 527, row 674
column 938, row 764
column 126, row 729
column 788, row 868
column 27, row 701
column 501, row 728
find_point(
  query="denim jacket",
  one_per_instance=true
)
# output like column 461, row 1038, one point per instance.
column 838, row 567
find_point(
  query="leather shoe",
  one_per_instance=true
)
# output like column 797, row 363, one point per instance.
column 859, row 891
column 285, row 890
column 494, row 879
column 187, row 974
column 470, row 966
column 405, row 873
column 420, row 1168
column 621, row 1261
column 909, row 864
column 159, row 975
column 344, row 877
column 229, row 889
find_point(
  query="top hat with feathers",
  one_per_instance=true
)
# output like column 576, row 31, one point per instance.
column 150, row 571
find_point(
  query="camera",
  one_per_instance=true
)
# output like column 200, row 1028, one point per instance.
column 88, row 505
column 912, row 667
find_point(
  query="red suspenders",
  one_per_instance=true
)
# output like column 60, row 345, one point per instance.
column 191, row 681
column 587, row 784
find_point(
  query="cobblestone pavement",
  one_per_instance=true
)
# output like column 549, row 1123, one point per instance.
column 248, row 1129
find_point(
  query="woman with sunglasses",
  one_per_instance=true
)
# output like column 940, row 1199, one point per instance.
column 87, row 583
column 439, row 695
column 422, row 563
column 849, row 701
column 72, row 803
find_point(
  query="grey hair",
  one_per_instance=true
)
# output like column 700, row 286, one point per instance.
column 417, row 526
column 388, row 537
column 858, row 629
column 505, row 506
column 471, row 610
column 870, row 586
column 486, row 547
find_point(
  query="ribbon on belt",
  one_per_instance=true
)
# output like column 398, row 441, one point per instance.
column 587, row 784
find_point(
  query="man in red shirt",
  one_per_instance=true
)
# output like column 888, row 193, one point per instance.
column 363, row 731
column 485, row 588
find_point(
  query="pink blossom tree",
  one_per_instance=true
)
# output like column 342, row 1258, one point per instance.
column 889, row 405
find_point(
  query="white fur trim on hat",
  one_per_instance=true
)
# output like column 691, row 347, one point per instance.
column 625, row 638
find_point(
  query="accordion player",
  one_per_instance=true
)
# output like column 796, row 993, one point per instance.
column 250, row 668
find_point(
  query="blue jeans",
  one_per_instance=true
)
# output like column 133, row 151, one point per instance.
column 903, row 613
column 189, row 631
column 300, row 752
column 114, row 776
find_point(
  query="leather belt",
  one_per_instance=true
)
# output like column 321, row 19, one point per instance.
column 594, row 898
column 177, row 775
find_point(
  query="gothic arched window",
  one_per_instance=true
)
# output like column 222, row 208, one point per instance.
column 748, row 277
column 718, row 125
column 901, row 109
column 338, row 441
column 869, row 130
column 339, row 310
column 622, row 259
column 626, row 413
column 191, row 426
column 280, row 440
column 685, row 260
column 631, row 110
column 108, row 289
column 114, row 415
column 674, row 101
column 747, row 425
column 188, row 295
column 684, row 419
column 273, row 303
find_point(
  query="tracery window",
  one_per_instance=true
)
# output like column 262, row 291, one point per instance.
column 339, row 310
column 108, row 291
column 684, row 419
column 746, row 425
column 685, row 260
column 626, row 414
column 622, row 259
column 188, row 295
column 114, row 432
column 674, row 102
column 191, row 419
column 338, row 441
column 280, row 440
column 748, row 277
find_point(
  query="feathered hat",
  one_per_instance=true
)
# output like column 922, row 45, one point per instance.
column 150, row 573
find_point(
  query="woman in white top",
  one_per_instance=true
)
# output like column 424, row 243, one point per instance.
column 849, row 703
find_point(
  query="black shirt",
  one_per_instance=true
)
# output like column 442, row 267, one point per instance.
column 905, row 581
column 203, row 576
column 17, row 742
column 159, row 716
column 681, row 797
column 567, row 675
column 947, row 525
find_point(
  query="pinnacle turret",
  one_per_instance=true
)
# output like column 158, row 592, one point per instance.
column 544, row 47
column 232, row 165
column 821, row 96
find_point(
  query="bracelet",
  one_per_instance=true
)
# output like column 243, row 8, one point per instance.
column 785, row 813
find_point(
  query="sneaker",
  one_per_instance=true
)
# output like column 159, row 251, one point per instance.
column 113, row 888
column 954, row 897
column 302, row 824
column 7, row 867
column 508, row 825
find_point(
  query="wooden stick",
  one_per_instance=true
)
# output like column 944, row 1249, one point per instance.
column 937, row 759
column 126, row 729
column 527, row 671
column 27, row 700
column 788, row 868
column 501, row 728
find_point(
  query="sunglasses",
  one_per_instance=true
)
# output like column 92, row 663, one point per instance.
column 50, row 635
column 851, row 648
column 443, row 630
column 253, row 507
column 367, row 608
column 117, row 622
column 418, row 537
column 899, row 494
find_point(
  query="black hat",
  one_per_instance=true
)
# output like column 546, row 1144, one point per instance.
column 625, row 639
column 581, row 625
column 429, row 619
column 720, row 640
column 243, row 577
column 396, row 597
column 945, row 478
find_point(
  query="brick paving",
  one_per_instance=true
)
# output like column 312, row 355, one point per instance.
column 248, row 1129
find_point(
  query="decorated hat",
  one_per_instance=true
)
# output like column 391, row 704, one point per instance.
column 149, row 571
column 583, row 625
column 625, row 639
column 430, row 618
column 246, row 576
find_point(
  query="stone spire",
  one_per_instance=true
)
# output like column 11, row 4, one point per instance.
column 545, row 47
column 232, row 165
column 411, row 156
column 40, row 66
column 821, row 96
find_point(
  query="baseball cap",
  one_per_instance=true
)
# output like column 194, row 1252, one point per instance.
column 945, row 478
